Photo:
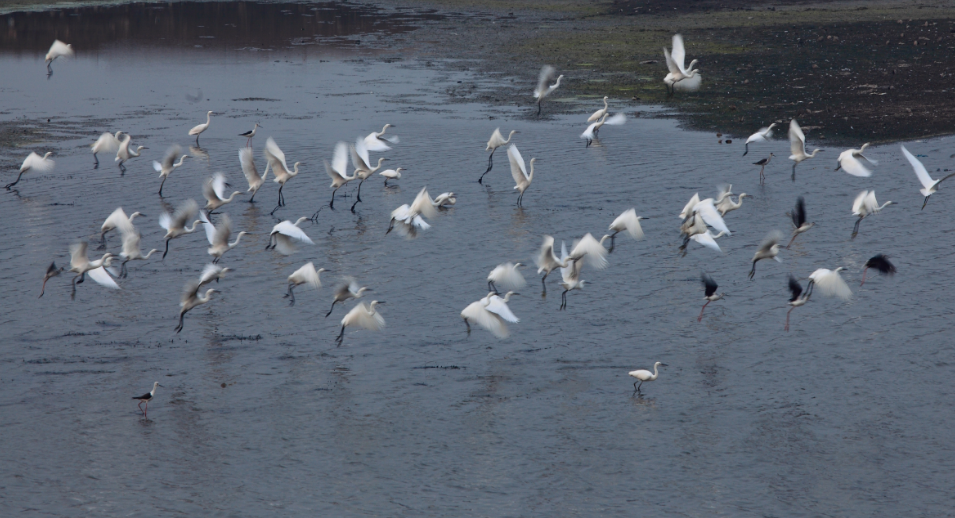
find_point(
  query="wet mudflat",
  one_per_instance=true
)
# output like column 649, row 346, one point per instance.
column 848, row 414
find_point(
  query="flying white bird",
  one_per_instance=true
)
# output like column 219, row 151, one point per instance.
column 409, row 216
column 338, row 170
column 212, row 272
column 251, row 173
column 599, row 113
column 768, row 249
column 830, row 283
column 709, row 293
column 629, row 222
column 688, row 208
column 218, row 236
column 797, row 144
column 547, row 260
column 197, row 130
column 590, row 134
column 124, row 153
column 445, row 200
column 522, row 178
column 391, row 174
column 762, row 135
column 728, row 205
column 213, row 190
column 849, row 162
column 34, row 162
column 365, row 317
column 347, row 290
column 590, row 250
column 679, row 73
column 375, row 141
column 929, row 186
column 864, row 205
column 799, row 219
column 570, row 275
column 507, row 275
column 106, row 143
column 285, row 234
column 645, row 375
column 491, row 313
column 191, row 299
column 168, row 164
column 131, row 250
column 276, row 160
column 175, row 224
column 363, row 168
column 81, row 265
column 118, row 220
column 798, row 298
column 496, row 141
column 543, row 90
column 305, row 275
column 58, row 49
column 248, row 135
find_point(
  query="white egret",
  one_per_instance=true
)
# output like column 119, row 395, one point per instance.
column 724, row 191
column 410, row 215
column 599, row 113
column 728, row 205
column 118, row 220
column 491, row 313
column 709, row 293
column 125, row 152
column 34, row 162
column 675, row 66
column 830, row 283
column 591, row 250
column 248, row 135
column 570, row 275
column 363, row 168
column 365, row 317
column 146, row 398
column 348, row 289
column 629, row 222
column 688, row 208
column 645, row 375
column 375, row 141
column 51, row 271
column 305, row 275
column 58, row 49
column 175, row 224
column 929, row 186
column 496, row 141
column 762, row 135
column 762, row 167
column 768, row 249
column 708, row 240
column 285, row 234
column 706, row 209
column 197, row 130
column 80, row 264
column 880, row 263
column 590, row 134
column 276, row 160
column 864, row 205
column 168, row 164
column 131, row 250
column 797, row 144
column 218, row 236
column 191, row 299
column 247, row 160
column 799, row 298
column 507, row 275
column 849, row 162
column 799, row 219
column 213, row 190
column 547, row 260
column 522, row 178
column 338, row 170
column 106, row 143
column 543, row 90
column 445, row 200
column 212, row 272
column 391, row 174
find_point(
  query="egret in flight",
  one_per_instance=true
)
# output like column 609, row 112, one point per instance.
column 365, row 317
column 348, row 289
column 175, row 224
column 191, row 299
column 218, row 236
column 849, row 162
column 131, row 250
column 629, row 222
column 197, row 130
column 762, row 135
column 376, row 140
column 80, row 264
column 491, row 313
column 391, row 174
column 305, row 275
column 547, row 261
column 496, row 141
column 507, row 275
column 285, row 234
column 830, row 283
column 678, row 72
column 864, row 205
column 106, row 143
column 929, row 186
column 168, row 164
column 522, row 178
column 276, row 160
column 338, row 170
column 34, row 162
column 728, row 205
column 213, row 190
column 117, row 220
column 212, row 272
column 543, row 90
column 590, row 134
column 124, row 153
column 570, row 275
column 363, row 168
column 247, row 161
column 797, row 144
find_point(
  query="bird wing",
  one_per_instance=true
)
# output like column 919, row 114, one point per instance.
column 360, row 316
column 222, row 231
column 477, row 313
column 209, row 272
column 373, row 143
column 799, row 212
column 510, row 277
column 709, row 285
column 590, row 250
column 871, row 205
column 546, row 252
column 588, row 134
column 310, row 274
column 102, row 278
column 287, row 228
column 219, row 185
column 165, row 220
column 360, row 158
column 186, row 211
column 830, row 283
column 616, row 120
column 170, row 158
column 772, row 239
column 284, row 244
column 496, row 139
column 131, row 244
column 106, row 143
column 671, row 65
column 797, row 140
column 853, row 165
column 497, row 306
column 157, row 166
column 209, row 191
column 60, row 49
column 706, row 239
column 711, row 216
column 566, row 272
column 340, row 159
column 248, row 166
column 920, row 170
column 274, row 154
column 208, row 226
column 547, row 73
column 189, row 292
column 422, row 204
column 688, row 208
column 37, row 163
column 631, row 222
column 795, row 288
column 118, row 220
column 78, row 254
column 679, row 53
column 518, row 169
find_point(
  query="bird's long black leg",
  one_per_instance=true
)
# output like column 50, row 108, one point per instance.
column 753, row 271
column 122, row 271
column 923, row 203
column 469, row 326
column 563, row 300
column 638, row 387
column 612, row 239
column 253, row 195
column 492, row 287
column 746, row 149
column 167, row 250
column 96, row 163
column 9, row 185
column 330, row 310
column 281, row 199
column 341, row 336
column 544, row 284
column 331, row 204
column 359, row 189
column 291, row 294
column 539, row 108
column 73, row 294
column 160, row 186
column 855, row 229
column 179, row 327
column 197, row 140
column 794, row 172
column 122, row 169
column 490, row 164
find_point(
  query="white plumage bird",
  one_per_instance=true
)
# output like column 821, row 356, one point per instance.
column 797, row 144
column 591, row 251
column 365, row 317
column 849, row 162
column 57, row 50
column 338, row 170
column 496, row 141
column 276, row 160
column 348, row 289
column 34, row 163
column 543, row 90
column 198, row 129
column 218, row 236
column 305, row 275
column 131, row 250
column 677, row 72
column 570, row 275
column 118, row 220
column 106, row 143
column 830, row 283
column 376, row 140
column 507, row 275
column 595, row 116
column 491, row 313
column 409, row 217
column 391, row 174
column 929, row 186
column 247, row 161
column 285, row 234
column 212, row 272
column 627, row 222
column 761, row 135
column 125, row 152
column 81, row 265
column 363, row 169
column 864, row 205
column 175, row 224
column 213, row 190
column 547, row 260
column 645, row 375
column 190, row 299
column 168, row 164
column 522, row 178
column 590, row 134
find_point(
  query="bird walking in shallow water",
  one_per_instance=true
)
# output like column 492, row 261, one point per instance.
column 709, row 293
column 762, row 167
column 496, row 141
column 146, row 398
column 799, row 219
column 34, row 163
column 645, row 375
column 197, row 130
column 276, row 161
column 797, row 144
column 590, row 134
column 248, row 135
column 57, row 50
column 880, row 263
column 543, row 90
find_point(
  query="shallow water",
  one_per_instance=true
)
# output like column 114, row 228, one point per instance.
column 848, row 414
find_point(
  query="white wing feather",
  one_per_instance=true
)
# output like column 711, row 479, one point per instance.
column 497, row 306
column 373, row 143
column 102, row 278
column 274, row 154
column 209, row 227
column 711, row 216
column 286, row 228
column 679, row 53
column 830, row 283
column 476, row 313
column 920, row 170
column 852, row 165
column 797, row 140
column 518, row 168
column 590, row 250
column 706, row 239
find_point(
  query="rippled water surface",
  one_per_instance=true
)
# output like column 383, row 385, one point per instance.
column 848, row 414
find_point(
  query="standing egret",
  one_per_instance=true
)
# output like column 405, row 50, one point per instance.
column 864, row 205
column 590, row 134
column 507, row 275
column 543, row 90
column 304, row 275
column 365, row 317
column 645, row 375
column 118, row 220
column 491, row 313
column 675, row 66
column 391, row 174
column 445, row 200
column 191, row 299
column 629, row 222
column 830, row 283
column 285, row 234
column 212, row 272
column 34, row 162
column 768, row 249
column 276, row 160
column 799, row 298
column 799, row 219
column 570, row 275
column 124, row 153
column 728, row 205
column 709, row 293
column 762, row 135
column 348, row 289
column 168, row 164
column 522, row 178
column 375, row 141
column 929, row 186
column 247, row 160
column 762, row 167
column 218, row 236
column 496, row 141
column 197, row 130
column 797, row 144
column 338, row 170
column 106, row 143
column 849, row 162
column 146, row 398
column 880, row 263
column 213, row 190
column 599, row 113
column 547, row 261
column 51, row 271
column 131, row 250
column 363, row 168
column 248, row 135
column 175, row 224
column 58, row 49
column 80, row 264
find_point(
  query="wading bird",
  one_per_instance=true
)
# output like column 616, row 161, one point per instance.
column 768, row 249
column 248, row 135
column 522, row 178
column 799, row 219
column 117, row 220
column 590, row 134
column 124, row 153
column 599, row 113
column 146, row 398
column 212, row 272
column 547, row 261
column 58, row 49
column 304, row 275
column 191, row 299
column 762, row 167
column 276, row 160
column 496, row 141
column 363, row 169
column 218, row 236
column 645, row 375
column 728, row 205
column 864, row 205
column 106, row 143
column 880, row 263
column 365, row 317
column 678, row 72
column 830, row 283
column 799, row 298
column 629, row 222
column 213, row 190
column 197, row 130
column 175, row 225
column 131, row 250
column 849, row 162
column 507, row 275
column 491, row 313
column 51, row 271
column 80, row 264
column 285, row 234
column 762, row 135
column 543, row 90
column 929, row 186
column 797, row 144
column 34, row 163
column 168, row 164
column 375, row 141
column 348, row 289
column 570, row 275
column 251, row 173
column 709, row 293
column 391, row 174
column 338, row 170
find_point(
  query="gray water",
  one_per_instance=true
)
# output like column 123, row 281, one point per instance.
column 848, row 414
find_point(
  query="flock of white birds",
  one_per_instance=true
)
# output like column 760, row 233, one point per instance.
column 491, row 312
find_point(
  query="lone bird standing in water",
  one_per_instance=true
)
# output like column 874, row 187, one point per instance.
column 146, row 398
